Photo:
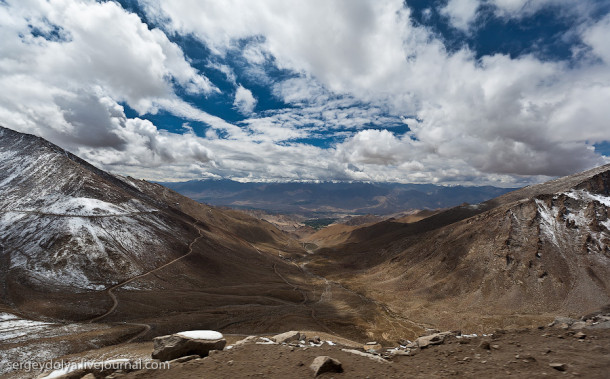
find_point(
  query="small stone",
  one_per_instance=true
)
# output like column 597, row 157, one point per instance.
column 559, row 366
column 371, row 348
column 528, row 358
column 484, row 345
column 230, row 363
column 315, row 339
column 324, row 364
column 372, row 343
column 580, row 335
column 495, row 347
column 578, row 325
column 399, row 352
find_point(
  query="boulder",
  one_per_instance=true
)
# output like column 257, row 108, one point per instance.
column 324, row 364
column 194, row 342
column 287, row 337
column 433, row 339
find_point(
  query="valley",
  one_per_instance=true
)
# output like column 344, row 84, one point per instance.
column 95, row 262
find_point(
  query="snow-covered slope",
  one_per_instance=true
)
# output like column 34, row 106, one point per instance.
column 64, row 223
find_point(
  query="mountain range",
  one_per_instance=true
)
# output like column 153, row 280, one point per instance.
column 329, row 199
column 124, row 259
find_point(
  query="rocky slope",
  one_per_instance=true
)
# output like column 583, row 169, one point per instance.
column 511, row 261
column 74, row 238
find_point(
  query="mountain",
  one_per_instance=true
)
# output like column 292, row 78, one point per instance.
column 513, row 260
column 80, row 244
column 88, row 258
column 316, row 200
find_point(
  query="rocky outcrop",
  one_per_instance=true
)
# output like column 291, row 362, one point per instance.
column 196, row 342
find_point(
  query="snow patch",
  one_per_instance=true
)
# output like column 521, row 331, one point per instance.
column 12, row 327
column 201, row 334
column 548, row 222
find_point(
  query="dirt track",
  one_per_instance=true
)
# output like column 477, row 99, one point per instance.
column 115, row 301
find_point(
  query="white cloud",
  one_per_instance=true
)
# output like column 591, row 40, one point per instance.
column 461, row 13
column 489, row 120
column 597, row 38
column 244, row 100
column 67, row 89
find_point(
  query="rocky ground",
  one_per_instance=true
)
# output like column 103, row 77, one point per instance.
column 565, row 348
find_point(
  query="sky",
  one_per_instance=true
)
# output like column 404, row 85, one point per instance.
column 472, row 92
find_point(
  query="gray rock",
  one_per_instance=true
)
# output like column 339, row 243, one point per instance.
column 287, row 337
column 371, row 348
column 324, row 364
column 433, row 339
column 601, row 325
column 315, row 339
column 578, row 325
column 167, row 348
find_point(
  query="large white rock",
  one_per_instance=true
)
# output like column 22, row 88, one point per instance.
column 193, row 342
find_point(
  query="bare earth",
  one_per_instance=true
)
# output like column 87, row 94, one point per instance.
column 524, row 353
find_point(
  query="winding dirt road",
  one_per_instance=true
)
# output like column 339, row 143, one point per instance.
column 115, row 301
column 304, row 302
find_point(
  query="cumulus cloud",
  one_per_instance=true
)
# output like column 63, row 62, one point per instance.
column 498, row 114
column 461, row 13
column 244, row 100
column 355, row 73
column 68, row 71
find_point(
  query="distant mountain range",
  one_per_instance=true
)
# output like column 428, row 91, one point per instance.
column 332, row 199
